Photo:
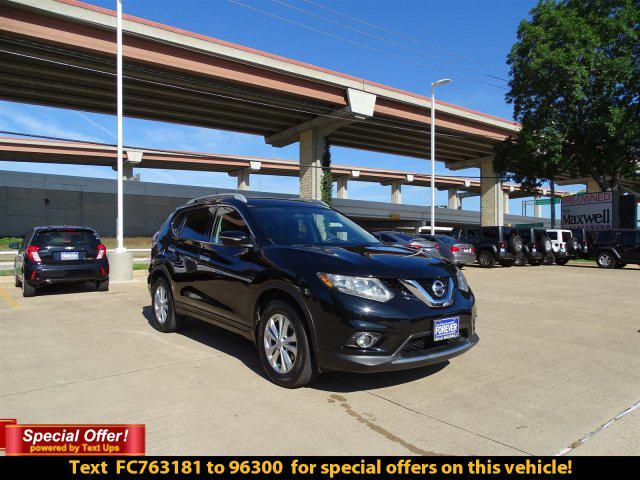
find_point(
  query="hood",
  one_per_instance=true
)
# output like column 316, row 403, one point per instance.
column 376, row 261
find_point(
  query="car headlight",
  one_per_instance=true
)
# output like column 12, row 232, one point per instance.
column 462, row 281
column 364, row 287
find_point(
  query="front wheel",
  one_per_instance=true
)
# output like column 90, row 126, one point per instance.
column 485, row 259
column 285, row 350
column 164, row 317
column 605, row 260
column 562, row 261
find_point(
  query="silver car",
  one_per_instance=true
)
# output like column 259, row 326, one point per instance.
column 456, row 252
column 412, row 242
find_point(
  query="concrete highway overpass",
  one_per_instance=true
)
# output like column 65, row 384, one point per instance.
column 62, row 54
column 242, row 167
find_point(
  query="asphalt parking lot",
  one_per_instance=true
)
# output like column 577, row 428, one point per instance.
column 558, row 358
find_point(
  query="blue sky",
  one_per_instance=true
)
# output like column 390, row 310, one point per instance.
column 481, row 31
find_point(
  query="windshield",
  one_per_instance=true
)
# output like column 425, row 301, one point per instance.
column 310, row 226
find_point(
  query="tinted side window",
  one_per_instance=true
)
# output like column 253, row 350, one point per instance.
column 627, row 238
column 177, row 224
column 604, row 237
column 387, row 238
column 552, row 235
column 229, row 220
column 490, row 232
column 195, row 225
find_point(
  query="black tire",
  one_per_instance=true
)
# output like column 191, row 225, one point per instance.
column 303, row 370
column 18, row 283
column 605, row 260
column 545, row 244
column 514, row 244
column 28, row 290
column 103, row 286
column 562, row 261
column 507, row 263
column 621, row 264
column 485, row 259
column 171, row 321
column 549, row 258
column 534, row 263
column 521, row 260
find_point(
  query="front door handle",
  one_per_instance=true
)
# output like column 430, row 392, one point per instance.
column 204, row 258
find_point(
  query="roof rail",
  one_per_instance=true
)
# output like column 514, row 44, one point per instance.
column 218, row 196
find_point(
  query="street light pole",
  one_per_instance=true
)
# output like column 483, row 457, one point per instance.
column 443, row 81
column 120, row 222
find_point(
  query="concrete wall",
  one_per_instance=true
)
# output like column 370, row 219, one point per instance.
column 30, row 199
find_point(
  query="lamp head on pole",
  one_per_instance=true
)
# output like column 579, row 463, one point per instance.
column 442, row 81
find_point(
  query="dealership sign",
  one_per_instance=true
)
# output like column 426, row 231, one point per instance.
column 593, row 211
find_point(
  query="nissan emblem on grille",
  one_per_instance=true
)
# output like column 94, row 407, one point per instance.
column 438, row 288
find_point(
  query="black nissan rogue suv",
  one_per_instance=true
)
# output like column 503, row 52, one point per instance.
column 312, row 289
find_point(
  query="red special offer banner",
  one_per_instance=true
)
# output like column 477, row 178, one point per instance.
column 74, row 440
column 3, row 423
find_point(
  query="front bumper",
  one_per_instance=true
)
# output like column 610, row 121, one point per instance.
column 398, row 361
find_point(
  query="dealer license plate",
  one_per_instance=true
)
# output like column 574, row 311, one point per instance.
column 466, row 250
column 445, row 328
column 69, row 256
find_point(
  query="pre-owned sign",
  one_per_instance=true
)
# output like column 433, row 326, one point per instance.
column 593, row 211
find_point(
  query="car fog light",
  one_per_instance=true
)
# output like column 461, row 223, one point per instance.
column 364, row 339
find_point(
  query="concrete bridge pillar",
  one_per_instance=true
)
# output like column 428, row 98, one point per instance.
column 396, row 192
column 455, row 202
column 244, row 175
column 593, row 186
column 537, row 209
column 505, row 196
column 312, row 145
column 342, row 188
column 491, row 201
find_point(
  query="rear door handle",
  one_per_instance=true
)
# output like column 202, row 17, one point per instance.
column 204, row 258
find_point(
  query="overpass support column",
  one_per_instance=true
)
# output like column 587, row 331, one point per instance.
column 312, row 145
column 396, row 192
column 244, row 174
column 491, row 201
column 537, row 209
column 455, row 202
column 506, row 203
column 342, row 186
column 593, row 186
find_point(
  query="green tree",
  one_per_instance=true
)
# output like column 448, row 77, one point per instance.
column 575, row 88
column 326, row 185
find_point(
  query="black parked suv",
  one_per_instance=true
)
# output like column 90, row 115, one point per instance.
column 493, row 244
column 534, row 241
column 616, row 248
column 63, row 254
column 312, row 289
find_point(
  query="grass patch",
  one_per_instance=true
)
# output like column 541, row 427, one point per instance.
column 140, row 266
column 5, row 241
column 6, row 273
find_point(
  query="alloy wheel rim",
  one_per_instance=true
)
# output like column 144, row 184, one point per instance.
column 161, row 304
column 605, row 260
column 280, row 343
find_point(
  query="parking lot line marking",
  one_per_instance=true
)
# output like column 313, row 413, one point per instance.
column 598, row 430
column 8, row 298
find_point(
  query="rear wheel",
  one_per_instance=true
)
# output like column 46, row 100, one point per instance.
column 521, row 260
column 549, row 258
column 164, row 318
column 562, row 261
column 284, row 346
column 17, row 280
column 102, row 286
column 605, row 260
column 485, row 259
column 28, row 290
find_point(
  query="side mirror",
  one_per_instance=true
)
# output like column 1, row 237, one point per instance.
column 14, row 246
column 235, row 238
